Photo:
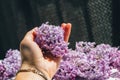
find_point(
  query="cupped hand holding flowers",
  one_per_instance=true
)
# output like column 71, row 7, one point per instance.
column 33, row 57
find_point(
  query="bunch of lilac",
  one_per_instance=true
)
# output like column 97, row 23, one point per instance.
column 50, row 39
column 90, row 62
column 10, row 64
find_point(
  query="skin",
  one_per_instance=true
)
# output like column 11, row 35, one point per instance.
column 32, row 57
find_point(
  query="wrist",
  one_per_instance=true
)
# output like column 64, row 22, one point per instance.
column 45, row 73
column 41, row 73
column 28, row 76
column 26, row 65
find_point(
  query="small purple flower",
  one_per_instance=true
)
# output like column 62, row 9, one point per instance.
column 10, row 65
column 50, row 39
column 89, row 61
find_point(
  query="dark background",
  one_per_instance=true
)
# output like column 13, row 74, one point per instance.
column 92, row 20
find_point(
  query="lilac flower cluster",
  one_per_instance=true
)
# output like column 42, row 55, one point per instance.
column 10, row 64
column 89, row 61
column 50, row 39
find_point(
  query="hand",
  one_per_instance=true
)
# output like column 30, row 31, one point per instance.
column 34, row 57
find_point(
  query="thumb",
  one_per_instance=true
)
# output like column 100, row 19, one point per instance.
column 32, row 46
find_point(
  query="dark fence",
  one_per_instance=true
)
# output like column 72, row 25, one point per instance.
column 92, row 20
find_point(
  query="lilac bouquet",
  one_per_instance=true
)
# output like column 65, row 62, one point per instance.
column 10, row 64
column 50, row 39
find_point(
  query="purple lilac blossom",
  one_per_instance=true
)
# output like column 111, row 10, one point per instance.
column 50, row 39
column 2, row 70
column 89, row 61
column 10, row 64
column 84, row 47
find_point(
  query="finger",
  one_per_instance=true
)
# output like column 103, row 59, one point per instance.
column 31, row 34
column 67, row 32
column 63, row 25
